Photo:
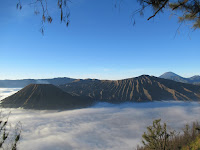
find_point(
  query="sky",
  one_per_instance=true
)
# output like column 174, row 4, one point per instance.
column 100, row 42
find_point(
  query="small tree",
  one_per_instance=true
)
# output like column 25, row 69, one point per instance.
column 156, row 136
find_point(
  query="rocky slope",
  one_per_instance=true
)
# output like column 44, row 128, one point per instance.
column 143, row 88
column 45, row 96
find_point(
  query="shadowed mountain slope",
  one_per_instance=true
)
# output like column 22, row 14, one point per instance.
column 45, row 96
column 142, row 88
column 25, row 82
column 175, row 77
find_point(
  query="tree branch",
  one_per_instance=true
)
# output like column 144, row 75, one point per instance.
column 158, row 10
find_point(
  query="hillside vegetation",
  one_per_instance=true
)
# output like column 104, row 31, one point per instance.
column 158, row 137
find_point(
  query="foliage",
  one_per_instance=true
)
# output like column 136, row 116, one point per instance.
column 8, row 138
column 194, row 145
column 42, row 6
column 188, row 10
column 158, row 138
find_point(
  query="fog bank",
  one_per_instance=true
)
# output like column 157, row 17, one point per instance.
column 5, row 92
column 103, row 126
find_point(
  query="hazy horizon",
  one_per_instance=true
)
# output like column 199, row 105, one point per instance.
column 99, row 78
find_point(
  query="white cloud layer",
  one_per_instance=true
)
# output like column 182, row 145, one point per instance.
column 5, row 92
column 104, row 126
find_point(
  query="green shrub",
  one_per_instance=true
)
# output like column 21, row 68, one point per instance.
column 158, row 137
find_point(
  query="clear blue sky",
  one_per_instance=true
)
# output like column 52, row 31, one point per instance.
column 99, row 43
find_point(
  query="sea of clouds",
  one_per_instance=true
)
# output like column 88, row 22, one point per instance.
column 5, row 92
column 103, row 126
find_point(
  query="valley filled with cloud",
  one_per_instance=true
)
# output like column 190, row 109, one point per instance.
column 5, row 92
column 103, row 126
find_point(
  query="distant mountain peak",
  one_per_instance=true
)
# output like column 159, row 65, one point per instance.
column 175, row 77
column 196, row 76
column 168, row 75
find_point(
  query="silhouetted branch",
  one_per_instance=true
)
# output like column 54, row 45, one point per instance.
column 189, row 9
column 159, row 9
column 62, row 5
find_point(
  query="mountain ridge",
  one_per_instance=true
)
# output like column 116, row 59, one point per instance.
column 175, row 77
column 24, row 82
column 85, row 92
column 142, row 88
column 64, row 80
